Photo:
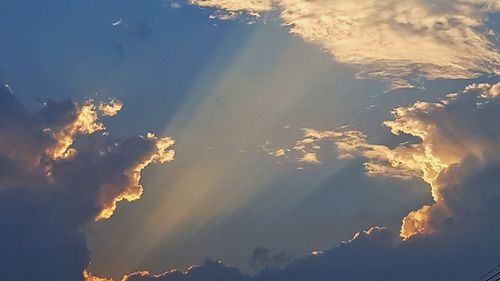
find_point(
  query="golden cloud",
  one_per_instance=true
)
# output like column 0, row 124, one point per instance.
column 62, row 168
column 89, row 277
column 84, row 122
column 399, row 41
column 450, row 131
column 111, row 107
column 132, row 190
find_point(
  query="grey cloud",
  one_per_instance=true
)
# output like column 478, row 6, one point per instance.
column 209, row 271
column 59, row 171
column 262, row 258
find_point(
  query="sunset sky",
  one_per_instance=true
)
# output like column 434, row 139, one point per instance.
column 249, row 140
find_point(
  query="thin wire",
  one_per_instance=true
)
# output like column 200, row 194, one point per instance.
column 494, row 275
column 486, row 274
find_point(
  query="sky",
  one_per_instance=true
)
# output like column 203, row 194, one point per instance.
column 249, row 140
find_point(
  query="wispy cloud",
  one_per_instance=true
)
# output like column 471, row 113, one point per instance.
column 253, row 6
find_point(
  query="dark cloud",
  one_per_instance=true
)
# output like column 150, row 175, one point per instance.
column 209, row 271
column 263, row 258
column 463, row 247
column 60, row 169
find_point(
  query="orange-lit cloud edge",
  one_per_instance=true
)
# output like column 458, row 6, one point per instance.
column 429, row 159
column 87, row 121
column 89, row 277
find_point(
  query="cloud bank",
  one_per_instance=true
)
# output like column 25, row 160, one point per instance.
column 397, row 41
column 60, row 169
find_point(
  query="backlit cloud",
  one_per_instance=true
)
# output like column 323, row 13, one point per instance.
column 111, row 107
column 61, row 169
column 397, row 41
column 461, row 127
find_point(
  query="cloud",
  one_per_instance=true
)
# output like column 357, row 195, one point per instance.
column 262, row 258
column 307, row 149
column 253, row 6
column 450, row 131
column 175, row 5
column 89, row 277
column 111, row 107
column 231, row 9
column 462, row 246
column 117, row 23
column 375, row 254
column 397, row 41
column 210, row 270
column 456, row 238
column 61, row 169
column 310, row 158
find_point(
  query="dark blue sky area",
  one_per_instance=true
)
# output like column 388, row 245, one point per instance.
column 70, row 49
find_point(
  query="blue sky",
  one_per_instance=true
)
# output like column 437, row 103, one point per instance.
column 235, row 95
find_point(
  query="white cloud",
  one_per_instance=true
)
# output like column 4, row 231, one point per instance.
column 400, row 41
column 117, row 23
column 253, row 6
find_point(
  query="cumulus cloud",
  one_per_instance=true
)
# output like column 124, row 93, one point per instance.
column 60, row 169
column 460, row 127
column 397, row 41
column 452, row 131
